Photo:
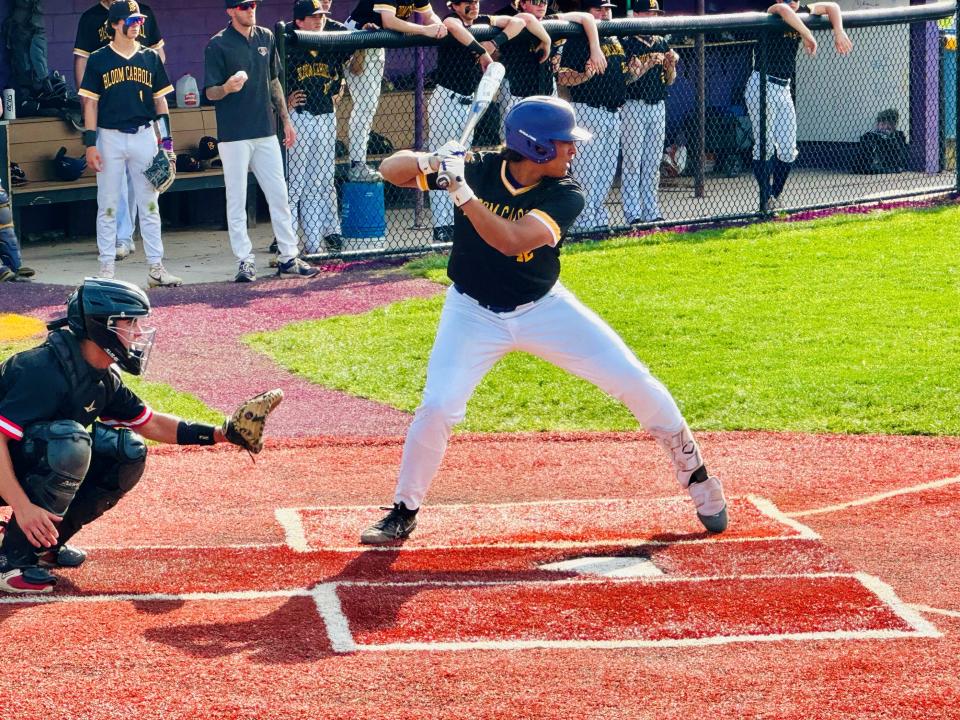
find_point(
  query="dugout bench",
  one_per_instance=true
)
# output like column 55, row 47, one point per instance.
column 33, row 143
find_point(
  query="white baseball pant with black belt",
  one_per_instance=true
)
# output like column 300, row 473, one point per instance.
column 557, row 328
column 262, row 157
column 643, row 129
column 365, row 94
column 595, row 164
column 447, row 113
column 310, row 174
column 781, row 118
column 122, row 154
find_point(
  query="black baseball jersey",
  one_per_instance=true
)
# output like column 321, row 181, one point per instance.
column 368, row 11
column 93, row 30
column 35, row 387
column 607, row 90
column 488, row 275
column 651, row 87
column 524, row 71
column 247, row 114
column 458, row 67
column 781, row 49
column 125, row 88
column 319, row 73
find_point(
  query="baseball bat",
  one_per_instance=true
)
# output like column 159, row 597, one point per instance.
column 486, row 90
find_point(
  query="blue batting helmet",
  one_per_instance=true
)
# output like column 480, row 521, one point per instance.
column 535, row 122
column 68, row 168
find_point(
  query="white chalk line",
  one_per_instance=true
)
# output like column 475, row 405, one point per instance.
column 935, row 611
column 876, row 498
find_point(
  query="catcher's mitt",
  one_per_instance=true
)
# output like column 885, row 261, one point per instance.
column 161, row 172
column 245, row 426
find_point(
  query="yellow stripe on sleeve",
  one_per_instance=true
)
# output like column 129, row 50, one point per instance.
column 81, row 53
column 422, row 182
column 160, row 93
column 88, row 94
column 549, row 223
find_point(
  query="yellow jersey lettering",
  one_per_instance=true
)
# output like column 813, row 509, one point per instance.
column 525, row 257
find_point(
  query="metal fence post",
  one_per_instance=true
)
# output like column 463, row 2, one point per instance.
column 280, row 36
column 762, row 51
column 956, row 136
column 418, row 129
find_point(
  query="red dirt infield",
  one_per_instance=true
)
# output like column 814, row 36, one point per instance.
column 224, row 589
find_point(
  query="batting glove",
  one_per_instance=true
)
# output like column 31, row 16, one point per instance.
column 453, row 168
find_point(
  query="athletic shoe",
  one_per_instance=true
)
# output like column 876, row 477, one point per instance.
column 247, row 272
column 25, row 272
column 123, row 252
column 363, row 173
column 333, row 242
column 711, row 505
column 26, row 581
column 6, row 274
column 273, row 247
column 772, row 203
column 295, row 267
column 398, row 524
column 63, row 556
column 106, row 271
column 159, row 277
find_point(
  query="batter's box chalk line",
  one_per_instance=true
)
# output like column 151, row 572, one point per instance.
column 295, row 532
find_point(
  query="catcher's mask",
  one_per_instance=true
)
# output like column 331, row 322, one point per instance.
column 111, row 314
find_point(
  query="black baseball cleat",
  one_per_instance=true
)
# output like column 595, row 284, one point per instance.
column 65, row 556
column 397, row 525
column 333, row 242
column 711, row 504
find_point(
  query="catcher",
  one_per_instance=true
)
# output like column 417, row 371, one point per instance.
column 72, row 435
column 127, row 86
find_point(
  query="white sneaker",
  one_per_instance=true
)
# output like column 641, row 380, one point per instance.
column 363, row 173
column 123, row 252
column 106, row 271
column 159, row 277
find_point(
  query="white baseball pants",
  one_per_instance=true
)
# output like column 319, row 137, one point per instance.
column 642, row 134
column 557, row 328
column 262, row 156
column 781, row 119
column 595, row 165
column 365, row 93
column 127, row 154
column 447, row 116
column 310, row 174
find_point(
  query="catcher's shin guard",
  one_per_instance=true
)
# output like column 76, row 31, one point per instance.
column 706, row 490
column 119, row 459
column 55, row 457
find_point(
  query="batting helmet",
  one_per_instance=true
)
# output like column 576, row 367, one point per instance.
column 535, row 122
column 68, row 168
column 93, row 311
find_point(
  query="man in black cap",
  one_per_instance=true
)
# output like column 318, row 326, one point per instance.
column 242, row 79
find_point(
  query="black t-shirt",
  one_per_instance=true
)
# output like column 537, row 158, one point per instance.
column 246, row 114
column 606, row 90
column 319, row 73
column 652, row 86
column 93, row 30
column 487, row 274
column 368, row 11
column 125, row 88
column 781, row 49
column 34, row 387
column 458, row 68
column 524, row 71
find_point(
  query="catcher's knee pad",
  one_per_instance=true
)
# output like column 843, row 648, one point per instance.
column 127, row 450
column 59, row 453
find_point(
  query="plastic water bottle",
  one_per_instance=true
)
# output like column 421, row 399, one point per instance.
column 188, row 94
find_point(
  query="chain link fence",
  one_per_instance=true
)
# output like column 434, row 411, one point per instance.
column 743, row 124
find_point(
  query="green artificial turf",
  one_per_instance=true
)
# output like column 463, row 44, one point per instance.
column 847, row 324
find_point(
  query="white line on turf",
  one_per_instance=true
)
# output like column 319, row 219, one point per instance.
column 338, row 627
column 935, row 611
column 908, row 614
column 289, row 519
column 877, row 498
column 773, row 512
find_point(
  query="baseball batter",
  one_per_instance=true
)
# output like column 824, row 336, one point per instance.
column 365, row 86
column 651, row 69
column 126, row 85
column 772, row 171
column 597, row 98
column 461, row 61
column 315, row 82
column 93, row 33
column 513, row 209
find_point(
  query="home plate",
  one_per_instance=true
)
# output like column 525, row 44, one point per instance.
column 614, row 567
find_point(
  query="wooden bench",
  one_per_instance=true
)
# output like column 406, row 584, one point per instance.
column 33, row 143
